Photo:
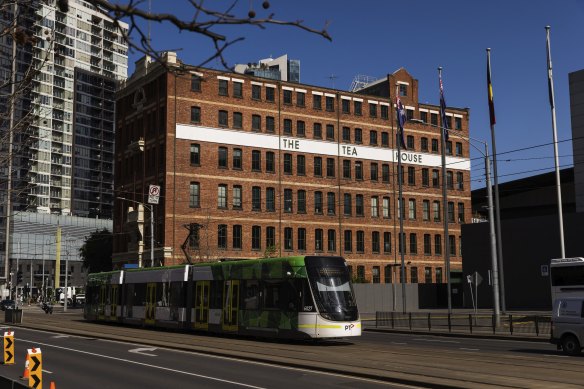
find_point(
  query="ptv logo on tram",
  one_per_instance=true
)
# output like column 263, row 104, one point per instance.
column 349, row 327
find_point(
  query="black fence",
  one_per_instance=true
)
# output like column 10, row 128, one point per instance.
column 515, row 324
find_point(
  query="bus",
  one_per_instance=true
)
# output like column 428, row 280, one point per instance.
column 567, row 277
column 301, row 297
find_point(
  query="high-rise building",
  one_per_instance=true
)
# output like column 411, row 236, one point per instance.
column 280, row 68
column 63, row 156
column 251, row 167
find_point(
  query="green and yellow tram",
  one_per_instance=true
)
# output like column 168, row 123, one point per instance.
column 294, row 297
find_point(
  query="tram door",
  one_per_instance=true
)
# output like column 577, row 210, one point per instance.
column 150, row 314
column 113, row 302
column 102, row 300
column 201, row 321
column 231, row 305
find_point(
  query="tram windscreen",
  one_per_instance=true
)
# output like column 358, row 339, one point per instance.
column 331, row 286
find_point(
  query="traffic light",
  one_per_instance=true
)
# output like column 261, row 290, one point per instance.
column 18, row 277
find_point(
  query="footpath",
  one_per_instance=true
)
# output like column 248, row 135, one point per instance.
column 414, row 365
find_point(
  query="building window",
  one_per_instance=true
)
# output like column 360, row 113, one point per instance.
column 373, row 171
column 236, row 242
column 449, row 180
column 424, row 144
column 222, row 196
column 270, row 236
column 403, row 90
column 288, row 200
column 452, row 245
column 317, row 101
column 318, row 166
column 317, row 131
column 434, row 145
column 347, row 204
column 256, row 123
column 434, row 119
column 318, row 203
column 375, row 244
column 461, row 213
column 237, row 196
column 358, row 108
column 300, row 128
column 427, row 244
column 332, row 240
column 387, row 242
column 387, row 272
column 287, row 127
column 330, row 203
column 287, row 163
column 256, row 92
column 237, row 159
column 438, row 275
column 425, row 177
column 195, row 114
column 386, row 209
column 346, row 106
column 413, row 275
column 435, row 178
column 223, row 88
column 458, row 149
column 410, row 142
column 412, row 209
column 448, row 148
column 256, row 238
column 360, row 241
column 196, row 83
column 195, row 195
column 372, row 110
column 238, row 89
column 358, row 135
column 237, row 120
column 302, row 239
column 256, row 198
column 385, row 139
column 426, row 210
column 288, row 236
column 359, row 205
column 436, row 210
column 270, row 124
column 374, row 206
column 346, row 133
column 459, row 181
column 270, row 199
column 318, row 239
column 270, row 94
column 450, row 212
column 194, row 238
column 346, row 168
column 330, row 103
column 384, row 112
column 195, row 154
column 256, row 161
column 300, row 99
column 300, row 165
column 373, row 138
column 222, row 236
column 401, row 212
column 330, row 167
column 287, row 97
column 413, row 244
column 411, row 175
column 361, row 273
column 222, row 155
column 458, row 123
column 301, row 203
column 348, row 241
column 223, row 120
column 409, row 114
column 270, row 164
column 330, row 132
column 358, row 170
column 424, row 116
column 438, row 244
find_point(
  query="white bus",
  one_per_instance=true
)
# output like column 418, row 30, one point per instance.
column 567, row 277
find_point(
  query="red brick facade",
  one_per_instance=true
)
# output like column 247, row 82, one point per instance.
column 280, row 206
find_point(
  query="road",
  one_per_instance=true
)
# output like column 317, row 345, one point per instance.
column 87, row 362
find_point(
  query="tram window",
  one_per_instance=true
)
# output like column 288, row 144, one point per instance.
column 251, row 295
column 162, row 294
column 271, row 295
column 177, row 294
column 216, row 295
column 139, row 294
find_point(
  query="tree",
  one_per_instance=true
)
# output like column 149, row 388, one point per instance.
column 96, row 252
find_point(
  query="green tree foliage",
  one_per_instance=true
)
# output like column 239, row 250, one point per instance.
column 97, row 251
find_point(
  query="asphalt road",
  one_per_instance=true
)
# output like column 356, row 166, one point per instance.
column 86, row 362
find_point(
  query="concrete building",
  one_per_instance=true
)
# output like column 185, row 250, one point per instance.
column 251, row 167
column 280, row 68
column 63, row 162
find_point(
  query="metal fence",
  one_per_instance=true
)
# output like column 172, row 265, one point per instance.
column 513, row 324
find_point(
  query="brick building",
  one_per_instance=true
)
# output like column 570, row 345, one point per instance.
column 252, row 167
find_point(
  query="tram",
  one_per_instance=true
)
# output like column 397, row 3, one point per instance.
column 299, row 297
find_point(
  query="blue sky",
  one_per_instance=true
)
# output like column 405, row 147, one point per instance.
column 378, row 37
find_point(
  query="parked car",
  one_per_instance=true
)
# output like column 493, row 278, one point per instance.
column 7, row 304
column 568, row 324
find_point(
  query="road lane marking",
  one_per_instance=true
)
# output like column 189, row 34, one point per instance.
column 468, row 349
column 437, row 340
column 142, row 349
column 146, row 364
column 398, row 343
column 60, row 336
column 48, row 372
column 555, row 355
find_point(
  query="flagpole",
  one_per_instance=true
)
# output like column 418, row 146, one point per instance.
column 446, row 245
column 400, row 211
column 555, row 134
column 497, row 203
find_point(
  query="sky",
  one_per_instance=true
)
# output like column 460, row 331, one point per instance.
column 376, row 38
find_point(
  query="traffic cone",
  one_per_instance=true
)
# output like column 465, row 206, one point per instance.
column 52, row 385
column 25, row 375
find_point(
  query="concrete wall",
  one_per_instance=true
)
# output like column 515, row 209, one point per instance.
column 379, row 297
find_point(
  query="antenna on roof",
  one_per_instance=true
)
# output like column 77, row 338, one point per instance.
column 361, row 81
column 333, row 77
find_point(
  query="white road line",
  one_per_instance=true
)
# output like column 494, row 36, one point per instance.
column 555, row 355
column 60, row 336
column 437, row 340
column 398, row 343
column 48, row 372
column 468, row 349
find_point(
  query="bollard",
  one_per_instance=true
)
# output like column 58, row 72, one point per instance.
column 511, row 324
column 470, row 322
column 449, row 324
column 494, row 324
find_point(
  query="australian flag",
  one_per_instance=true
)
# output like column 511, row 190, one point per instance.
column 443, row 111
column 401, row 120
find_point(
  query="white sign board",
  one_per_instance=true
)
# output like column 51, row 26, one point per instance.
column 153, row 194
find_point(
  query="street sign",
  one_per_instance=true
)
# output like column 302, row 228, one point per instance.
column 153, row 194
column 9, row 348
column 35, row 378
column 477, row 278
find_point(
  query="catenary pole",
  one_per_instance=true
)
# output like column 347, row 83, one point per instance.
column 494, row 264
